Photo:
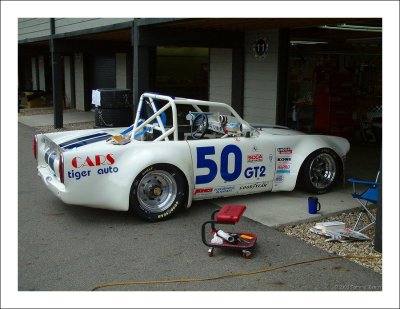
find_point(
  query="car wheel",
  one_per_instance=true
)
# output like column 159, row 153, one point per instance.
column 319, row 171
column 158, row 192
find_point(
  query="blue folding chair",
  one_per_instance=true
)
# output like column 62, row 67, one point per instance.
column 366, row 198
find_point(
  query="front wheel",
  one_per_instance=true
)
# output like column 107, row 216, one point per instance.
column 158, row 192
column 320, row 171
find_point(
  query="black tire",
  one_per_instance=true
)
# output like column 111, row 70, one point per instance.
column 105, row 117
column 320, row 171
column 158, row 192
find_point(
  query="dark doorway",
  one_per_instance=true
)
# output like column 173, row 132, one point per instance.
column 183, row 72
column 103, row 72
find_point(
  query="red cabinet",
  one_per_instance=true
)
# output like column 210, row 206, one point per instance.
column 334, row 101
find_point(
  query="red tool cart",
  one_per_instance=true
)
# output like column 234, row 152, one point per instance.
column 229, row 214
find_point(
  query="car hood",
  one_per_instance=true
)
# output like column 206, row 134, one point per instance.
column 278, row 130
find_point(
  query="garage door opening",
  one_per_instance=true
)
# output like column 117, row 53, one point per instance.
column 335, row 80
column 183, row 72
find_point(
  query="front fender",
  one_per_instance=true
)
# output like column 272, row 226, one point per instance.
column 301, row 147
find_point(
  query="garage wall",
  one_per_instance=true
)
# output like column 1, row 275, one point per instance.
column 33, row 27
column 220, row 89
column 121, row 70
column 63, row 25
column 67, row 82
column 42, row 77
column 260, row 81
column 79, row 82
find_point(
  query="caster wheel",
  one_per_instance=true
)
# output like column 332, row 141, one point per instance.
column 211, row 252
column 247, row 254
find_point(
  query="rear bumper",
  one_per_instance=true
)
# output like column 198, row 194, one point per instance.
column 51, row 182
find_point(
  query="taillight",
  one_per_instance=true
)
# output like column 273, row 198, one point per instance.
column 35, row 147
column 61, row 168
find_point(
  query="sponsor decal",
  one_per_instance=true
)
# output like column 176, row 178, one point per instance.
column 73, row 174
column 279, row 178
column 255, row 158
column 220, row 190
column 285, row 150
column 270, row 157
column 104, row 163
column 254, row 186
column 255, row 148
column 92, row 161
column 215, row 127
column 202, row 191
column 283, row 171
column 285, row 159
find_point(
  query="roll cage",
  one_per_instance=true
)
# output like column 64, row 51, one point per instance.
column 157, row 118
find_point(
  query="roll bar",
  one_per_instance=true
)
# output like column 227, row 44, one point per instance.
column 171, row 103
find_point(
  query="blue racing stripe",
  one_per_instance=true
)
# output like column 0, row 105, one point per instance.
column 46, row 156
column 75, row 140
column 53, row 156
column 87, row 142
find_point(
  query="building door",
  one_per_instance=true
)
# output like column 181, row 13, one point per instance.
column 102, row 74
column 183, row 72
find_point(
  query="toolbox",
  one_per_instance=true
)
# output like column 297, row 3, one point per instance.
column 228, row 215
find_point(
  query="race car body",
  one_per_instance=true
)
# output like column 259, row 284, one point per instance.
column 159, row 165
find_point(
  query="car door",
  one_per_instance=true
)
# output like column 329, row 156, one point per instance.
column 233, row 165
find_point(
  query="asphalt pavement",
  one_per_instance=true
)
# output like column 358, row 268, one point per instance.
column 71, row 248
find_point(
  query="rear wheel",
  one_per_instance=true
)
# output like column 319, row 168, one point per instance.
column 158, row 192
column 320, row 171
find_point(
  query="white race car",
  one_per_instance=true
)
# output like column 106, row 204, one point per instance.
column 165, row 160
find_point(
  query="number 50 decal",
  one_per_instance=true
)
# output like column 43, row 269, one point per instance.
column 203, row 162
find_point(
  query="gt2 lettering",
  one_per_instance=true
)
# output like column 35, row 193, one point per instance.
column 97, row 160
column 203, row 162
column 257, row 171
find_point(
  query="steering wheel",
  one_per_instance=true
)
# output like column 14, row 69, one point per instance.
column 199, row 126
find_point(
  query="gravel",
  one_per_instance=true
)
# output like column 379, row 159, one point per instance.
column 360, row 248
column 301, row 231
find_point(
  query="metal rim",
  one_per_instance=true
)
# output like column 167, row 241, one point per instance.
column 322, row 171
column 157, row 191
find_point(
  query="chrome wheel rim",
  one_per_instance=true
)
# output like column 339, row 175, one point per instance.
column 322, row 171
column 157, row 191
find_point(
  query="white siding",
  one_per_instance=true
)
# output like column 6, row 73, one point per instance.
column 121, row 68
column 260, row 82
column 42, row 78
column 67, row 78
column 220, row 89
column 33, row 27
column 63, row 25
column 79, row 82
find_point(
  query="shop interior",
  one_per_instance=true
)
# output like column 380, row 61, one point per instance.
column 335, row 80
